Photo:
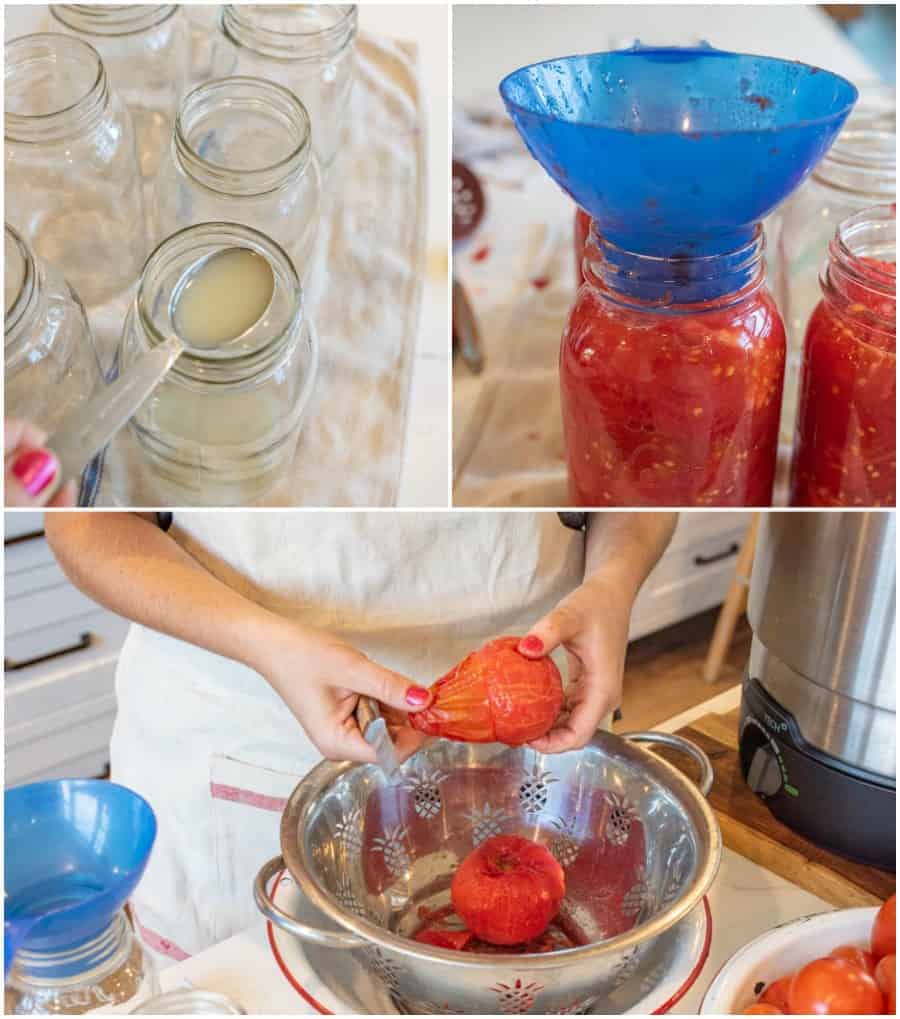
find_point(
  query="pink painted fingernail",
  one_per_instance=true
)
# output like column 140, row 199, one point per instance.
column 533, row 645
column 35, row 469
column 417, row 696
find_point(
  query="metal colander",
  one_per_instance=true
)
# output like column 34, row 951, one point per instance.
column 375, row 853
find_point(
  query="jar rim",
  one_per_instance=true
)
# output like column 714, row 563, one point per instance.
column 18, row 307
column 113, row 20
column 239, row 180
column 730, row 277
column 222, row 365
column 240, row 23
column 54, row 124
column 851, row 263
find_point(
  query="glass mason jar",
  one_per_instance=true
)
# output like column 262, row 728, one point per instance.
column 857, row 172
column 308, row 48
column 223, row 426
column 671, row 374
column 72, row 180
column 242, row 152
column 51, row 363
column 144, row 48
column 109, row 971
column 582, row 232
column 845, row 444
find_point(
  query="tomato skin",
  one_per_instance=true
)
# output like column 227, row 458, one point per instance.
column 857, row 957
column 884, row 930
column 886, row 978
column 834, row 987
column 777, row 993
column 762, row 1008
column 455, row 940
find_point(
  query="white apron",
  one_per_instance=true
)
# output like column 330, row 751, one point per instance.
column 214, row 750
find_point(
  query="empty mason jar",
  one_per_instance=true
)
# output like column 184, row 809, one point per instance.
column 144, row 48
column 51, row 364
column 241, row 152
column 223, row 426
column 308, row 48
column 72, row 179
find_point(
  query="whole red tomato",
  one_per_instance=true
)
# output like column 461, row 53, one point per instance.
column 761, row 1008
column 834, row 987
column 494, row 695
column 777, row 993
column 884, row 930
column 886, row 978
column 857, row 957
column 508, row 890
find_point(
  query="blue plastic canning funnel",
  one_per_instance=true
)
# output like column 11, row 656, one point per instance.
column 74, row 851
column 677, row 151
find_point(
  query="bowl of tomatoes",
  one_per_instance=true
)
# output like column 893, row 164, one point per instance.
column 838, row 963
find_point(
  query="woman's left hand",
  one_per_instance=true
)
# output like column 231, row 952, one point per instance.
column 592, row 625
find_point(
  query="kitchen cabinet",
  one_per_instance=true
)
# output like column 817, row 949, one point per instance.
column 59, row 664
column 694, row 573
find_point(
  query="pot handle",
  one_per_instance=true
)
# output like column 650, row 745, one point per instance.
column 668, row 739
column 329, row 939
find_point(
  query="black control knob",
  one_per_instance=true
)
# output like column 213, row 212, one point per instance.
column 764, row 773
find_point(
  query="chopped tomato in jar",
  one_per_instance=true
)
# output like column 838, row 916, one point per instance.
column 672, row 407
column 845, row 443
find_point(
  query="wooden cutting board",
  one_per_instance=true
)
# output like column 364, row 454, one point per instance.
column 750, row 830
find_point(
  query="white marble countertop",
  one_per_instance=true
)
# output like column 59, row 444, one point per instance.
column 745, row 901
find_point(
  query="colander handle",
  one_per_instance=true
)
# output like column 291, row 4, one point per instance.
column 328, row 939
column 668, row 739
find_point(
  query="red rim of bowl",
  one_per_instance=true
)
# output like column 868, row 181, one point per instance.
column 666, row 1007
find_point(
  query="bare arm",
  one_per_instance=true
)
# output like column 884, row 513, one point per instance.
column 592, row 622
column 126, row 563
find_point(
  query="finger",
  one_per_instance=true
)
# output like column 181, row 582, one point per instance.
column 346, row 743
column 387, row 687
column 66, row 496
column 17, row 432
column 30, row 477
column 560, row 625
column 407, row 742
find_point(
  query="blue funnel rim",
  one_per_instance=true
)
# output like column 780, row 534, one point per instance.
column 708, row 51
column 127, row 874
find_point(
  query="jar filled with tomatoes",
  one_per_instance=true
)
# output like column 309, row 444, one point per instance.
column 671, row 372
column 845, row 442
column 582, row 230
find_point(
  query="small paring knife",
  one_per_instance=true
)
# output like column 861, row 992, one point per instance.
column 375, row 732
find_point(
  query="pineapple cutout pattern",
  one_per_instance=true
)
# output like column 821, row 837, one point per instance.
column 348, row 833
column 674, row 883
column 514, row 999
column 424, row 786
column 564, row 846
column 621, row 816
column 486, row 822
column 383, row 967
column 535, row 789
column 626, row 966
column 393, row 847
column 346, row 896
column 636, row 898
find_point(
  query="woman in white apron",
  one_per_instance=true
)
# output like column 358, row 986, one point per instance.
column 254, row 632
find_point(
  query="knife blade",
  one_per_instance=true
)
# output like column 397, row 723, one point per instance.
column 87, row 429
column 375, row 732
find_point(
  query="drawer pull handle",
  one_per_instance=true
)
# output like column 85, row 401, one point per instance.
column 705, row 560
column 84, row 642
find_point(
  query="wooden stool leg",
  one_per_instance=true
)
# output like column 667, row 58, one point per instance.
column 733, row 607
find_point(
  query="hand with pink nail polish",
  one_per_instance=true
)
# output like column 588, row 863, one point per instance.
column 591, row 624
column 30, row 470
column 321, row 679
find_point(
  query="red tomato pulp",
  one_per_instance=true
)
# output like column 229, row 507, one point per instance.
column 672, row 409
column 845, row 445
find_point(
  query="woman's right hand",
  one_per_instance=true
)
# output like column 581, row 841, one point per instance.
column 30, row 470
column 320, row 680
